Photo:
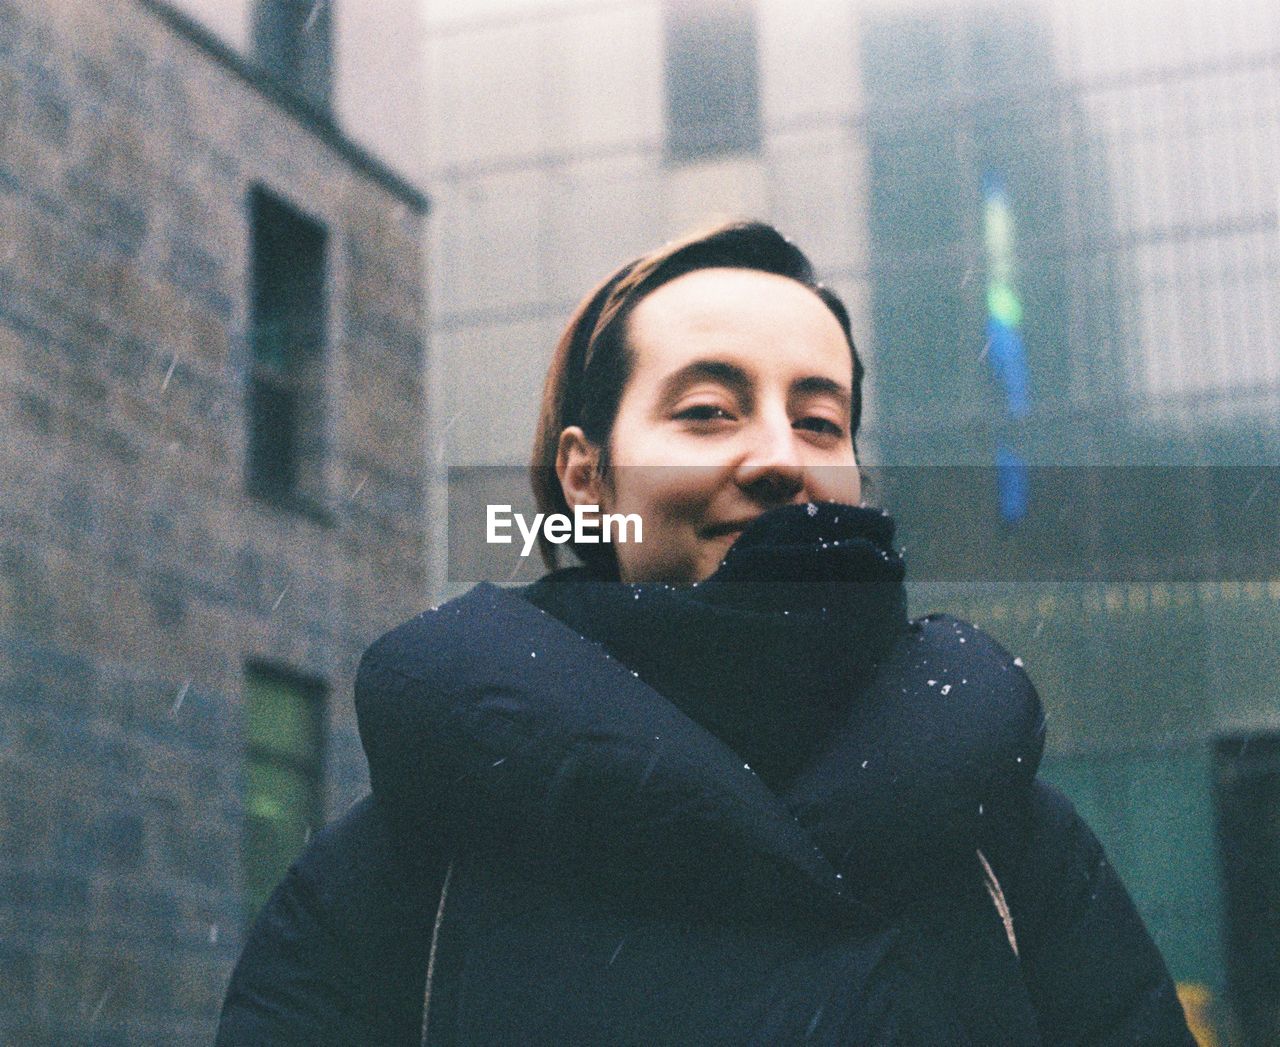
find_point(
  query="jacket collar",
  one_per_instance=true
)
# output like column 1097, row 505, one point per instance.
column 544, row 749
column 525, row 739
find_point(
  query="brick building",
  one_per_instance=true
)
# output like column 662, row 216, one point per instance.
column 211, row 392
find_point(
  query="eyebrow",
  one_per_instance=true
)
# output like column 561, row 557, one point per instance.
column 718, row 371
column 737, row 379
column 815, row 385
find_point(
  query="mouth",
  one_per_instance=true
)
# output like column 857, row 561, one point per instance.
column 732, row 527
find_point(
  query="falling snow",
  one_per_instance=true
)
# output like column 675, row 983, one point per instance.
column 313, row 15
column 169, row 373
column 1252, row 495
column 102, row 1002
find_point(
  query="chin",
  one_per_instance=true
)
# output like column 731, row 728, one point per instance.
column 715, row 558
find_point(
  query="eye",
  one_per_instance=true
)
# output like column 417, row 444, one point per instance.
column 818, row 424
column 703, row 413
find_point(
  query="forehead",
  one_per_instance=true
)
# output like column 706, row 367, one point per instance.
column 743, row 313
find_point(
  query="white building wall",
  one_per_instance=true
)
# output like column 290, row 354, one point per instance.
column 545, row 162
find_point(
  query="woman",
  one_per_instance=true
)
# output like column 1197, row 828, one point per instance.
column 713, row 787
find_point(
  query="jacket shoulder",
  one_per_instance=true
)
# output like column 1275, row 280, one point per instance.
column 979, row 702
column 338, row 953
column 438, row 642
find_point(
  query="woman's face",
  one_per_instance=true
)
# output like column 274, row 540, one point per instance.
column 738, row 402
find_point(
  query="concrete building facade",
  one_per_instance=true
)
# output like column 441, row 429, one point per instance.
column 211, row 354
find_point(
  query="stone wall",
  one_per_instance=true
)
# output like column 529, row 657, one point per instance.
column 136, row 575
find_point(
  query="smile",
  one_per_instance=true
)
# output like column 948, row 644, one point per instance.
column 735, row 528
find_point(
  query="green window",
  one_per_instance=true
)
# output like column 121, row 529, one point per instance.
column 283, row 786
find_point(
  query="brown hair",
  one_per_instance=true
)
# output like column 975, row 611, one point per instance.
column 592, row 361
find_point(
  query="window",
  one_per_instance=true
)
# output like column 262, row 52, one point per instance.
column 293, row 41
column 284, row 786
column 1248, row 784
column 966, row 165
column 713, row 103
column 287, row 331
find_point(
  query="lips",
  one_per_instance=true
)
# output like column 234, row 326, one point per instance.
column 731, row 527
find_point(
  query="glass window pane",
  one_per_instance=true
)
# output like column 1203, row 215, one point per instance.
column 283, row 797
column 278, row 794
column 285, row 401
column 282, row 717
column 713, row 98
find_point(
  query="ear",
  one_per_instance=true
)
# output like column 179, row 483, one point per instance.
column 577, row 468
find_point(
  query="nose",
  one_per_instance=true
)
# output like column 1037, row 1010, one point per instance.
column 771, row 470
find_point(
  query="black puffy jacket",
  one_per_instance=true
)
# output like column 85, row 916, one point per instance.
column 561, row 855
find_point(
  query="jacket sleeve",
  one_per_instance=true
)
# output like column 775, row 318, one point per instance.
column 1093, row 973
column 338, row 954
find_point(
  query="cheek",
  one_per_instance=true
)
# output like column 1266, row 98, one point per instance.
column 665, row 492
column 837, row 483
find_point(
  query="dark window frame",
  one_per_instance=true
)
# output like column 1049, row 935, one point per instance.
column 285, row 388
column 293, row 43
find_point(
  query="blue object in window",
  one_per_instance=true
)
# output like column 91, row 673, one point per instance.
column 1008, row 359
column 1013, row 483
